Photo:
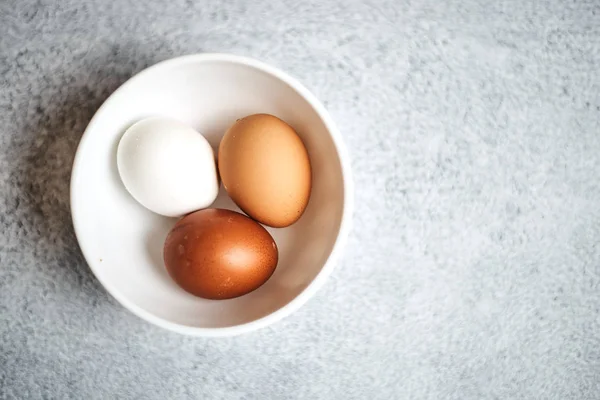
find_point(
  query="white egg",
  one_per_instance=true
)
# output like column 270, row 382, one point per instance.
column 167, row 166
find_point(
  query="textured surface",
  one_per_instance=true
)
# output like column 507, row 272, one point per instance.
column 473, row 271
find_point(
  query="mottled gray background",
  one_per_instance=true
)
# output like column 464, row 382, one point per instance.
column 473, row 271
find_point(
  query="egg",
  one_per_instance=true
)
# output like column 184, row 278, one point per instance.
column 167, row 166
column 265, row 169
column 219, row 254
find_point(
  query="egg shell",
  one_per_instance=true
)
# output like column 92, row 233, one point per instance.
column 265, row 169
column 219, row 254
column 167, row 166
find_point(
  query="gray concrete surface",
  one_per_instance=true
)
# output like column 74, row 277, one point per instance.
column 473, row 271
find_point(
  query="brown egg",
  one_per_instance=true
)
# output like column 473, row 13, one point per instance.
column 219, row 254
column 265, row 169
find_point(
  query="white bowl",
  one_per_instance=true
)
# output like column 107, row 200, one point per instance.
column 123, row 242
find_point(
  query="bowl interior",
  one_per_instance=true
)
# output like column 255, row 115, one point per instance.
column 123, row 242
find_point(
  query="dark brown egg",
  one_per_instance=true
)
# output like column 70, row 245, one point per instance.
column 219, row 254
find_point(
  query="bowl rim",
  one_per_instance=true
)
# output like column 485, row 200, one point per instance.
column 330, row 262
